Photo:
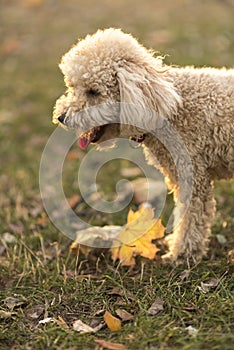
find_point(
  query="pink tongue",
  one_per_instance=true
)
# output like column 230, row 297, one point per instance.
column 84, row 142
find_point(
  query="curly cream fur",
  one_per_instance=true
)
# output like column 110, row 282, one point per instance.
column 198, row 102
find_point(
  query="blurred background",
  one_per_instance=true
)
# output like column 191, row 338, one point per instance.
column 34, row 34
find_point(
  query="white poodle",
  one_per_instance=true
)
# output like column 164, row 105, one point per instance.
column 112, row 70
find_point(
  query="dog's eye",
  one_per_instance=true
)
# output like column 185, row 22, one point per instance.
column 93, row 92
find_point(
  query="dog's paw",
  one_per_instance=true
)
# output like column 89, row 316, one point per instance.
column 169, row 259
column 183, row 259
column 168, row 240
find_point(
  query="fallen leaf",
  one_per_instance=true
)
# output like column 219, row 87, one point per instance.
column 46, row 320
column 43, row 220
column 124, row 315
column 184, row 275
column 121, row 292
column 137, row 236
column 113, row 323
column 189, row 308
column 60, row 321
column 109, row 345
column 221, row 239
column 192, row 330
column 77, row 248
column 116, row 291
column 121, row 302
column 8, row 238
column 94, row 236
column 5, row 314
column 156, row 307
column 207, row 286
column 73, row 201
column 95, row 322
column 34, row 312
column 82, row 327
column 14, row 301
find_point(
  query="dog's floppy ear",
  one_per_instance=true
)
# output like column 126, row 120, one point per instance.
column 146, row 87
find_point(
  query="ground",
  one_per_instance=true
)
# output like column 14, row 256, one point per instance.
column 37, row 269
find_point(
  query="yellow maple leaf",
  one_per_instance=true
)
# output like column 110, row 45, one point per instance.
column 113, row 323
column 137, row 235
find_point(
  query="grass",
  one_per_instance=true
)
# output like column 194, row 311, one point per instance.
column 36, row 266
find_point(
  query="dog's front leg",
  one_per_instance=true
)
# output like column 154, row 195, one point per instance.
column 190, row 236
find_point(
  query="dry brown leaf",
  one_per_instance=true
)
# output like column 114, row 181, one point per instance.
column 113, row 323
column 94, row 236
column 137, row 236
column 156, row 307
column 73, row 201
column 184, row 275
column 121, row 292
column 82, row 327
column 124, row 315
column 43, row 220
column 46, row 320
column 231, row 256
column 207, row 286
column 84, row 249
column 121, row 302
column 116, row 291
column 14, row 301
column 35, row 311
column 61, row 322
column 5, row 314
column 109, row 345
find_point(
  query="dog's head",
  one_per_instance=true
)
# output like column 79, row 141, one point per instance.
column 111, row 80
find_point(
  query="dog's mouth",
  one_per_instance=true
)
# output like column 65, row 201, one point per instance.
column 92, row 136
column 95, row 135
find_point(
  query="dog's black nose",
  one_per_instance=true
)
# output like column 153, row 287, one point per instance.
column 62, row 117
